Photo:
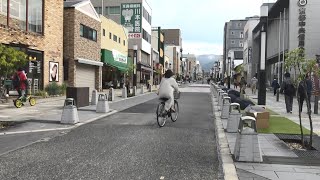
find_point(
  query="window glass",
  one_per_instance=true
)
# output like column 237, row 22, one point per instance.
column 88, row 32
column 81, row 30
column 124, row 42
column 18, row 14
column 114, row 10
column 3, row 12
column 115, row 38
column 110, row 35
column 94, row 35
column 98, row 9
column 35, row 16
column 104, row 32
column 119, row 40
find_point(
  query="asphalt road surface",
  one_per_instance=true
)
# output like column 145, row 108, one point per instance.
column 126, row 145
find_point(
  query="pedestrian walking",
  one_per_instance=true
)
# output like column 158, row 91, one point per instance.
column 254, row 82
column 275, row 85
column 289, row 90
column 243, row 85
column 301, row 91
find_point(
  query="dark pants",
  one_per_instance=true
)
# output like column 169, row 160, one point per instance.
column 302, row 99
column 289, row 102
column 274, row 91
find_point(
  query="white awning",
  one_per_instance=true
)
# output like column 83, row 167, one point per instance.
column 90, row 62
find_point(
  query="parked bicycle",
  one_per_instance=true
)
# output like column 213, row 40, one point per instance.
column 163, row 115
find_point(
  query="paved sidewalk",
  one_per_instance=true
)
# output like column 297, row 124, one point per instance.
column 271, row 146
column 280, row 108
column 46, row 114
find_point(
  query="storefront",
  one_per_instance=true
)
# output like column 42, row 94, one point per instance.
column 114, row 72
column 34, row 67
column 144, row 73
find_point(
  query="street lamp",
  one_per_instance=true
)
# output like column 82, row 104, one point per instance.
column 263, row 53
column 135, row 57
column 229, row 71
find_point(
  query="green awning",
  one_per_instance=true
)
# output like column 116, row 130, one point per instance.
column 108, row 58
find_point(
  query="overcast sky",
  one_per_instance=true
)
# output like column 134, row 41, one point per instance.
column 201, row 21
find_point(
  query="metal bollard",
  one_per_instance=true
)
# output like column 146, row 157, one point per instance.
column 103, row 105
column 94, row 97
column 225, row 107
column 70, row 112
column 247, row 147
column 234, row 118
column 134, row 90
column 111, row 94
column 142, row 89
column 124, row 92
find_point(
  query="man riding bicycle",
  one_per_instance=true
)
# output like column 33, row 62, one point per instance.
column 167, row 87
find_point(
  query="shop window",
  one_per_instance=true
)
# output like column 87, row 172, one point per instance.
column 119, row 40
column 88, row 32
column 3, row 12
column 110, row 35
column 35, row 16
column 19, row 11
column 124, row 42
column 17, row 14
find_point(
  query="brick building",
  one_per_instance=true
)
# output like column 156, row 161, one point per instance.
column 35, row 27
column 82, row 45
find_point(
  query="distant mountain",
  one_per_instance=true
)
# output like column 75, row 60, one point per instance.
column 207, row 61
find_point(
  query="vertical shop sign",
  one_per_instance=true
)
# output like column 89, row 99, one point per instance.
column 131, row 19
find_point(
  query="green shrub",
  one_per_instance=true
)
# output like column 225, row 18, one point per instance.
column 53, row 89
column 41, row 94
column 63, row 88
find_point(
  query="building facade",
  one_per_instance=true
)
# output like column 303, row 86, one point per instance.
column 157, row 41
column 191, row 61
column 82, row 45
column 114, row 51
column 40, row 36
column 247, row 48
column 135, row 15
column 233, row 41
column 291, row 24
column 173, row 42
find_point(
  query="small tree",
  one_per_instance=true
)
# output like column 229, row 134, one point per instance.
column 295, row 60
column 10, row 60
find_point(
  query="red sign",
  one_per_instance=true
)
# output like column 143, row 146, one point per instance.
column 134, row 35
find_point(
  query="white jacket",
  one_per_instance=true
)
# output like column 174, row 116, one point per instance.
column 167, row 87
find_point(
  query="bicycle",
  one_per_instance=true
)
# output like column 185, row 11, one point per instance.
column 162, row 114
column 18, row 103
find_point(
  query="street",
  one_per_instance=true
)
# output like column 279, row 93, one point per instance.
column 126, row 145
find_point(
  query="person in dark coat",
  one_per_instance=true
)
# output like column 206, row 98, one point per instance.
column 302, row 89
column 289, row 90
column 275, row 85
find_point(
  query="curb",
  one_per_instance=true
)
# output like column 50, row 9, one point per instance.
column 225, row 158
column 59, row 129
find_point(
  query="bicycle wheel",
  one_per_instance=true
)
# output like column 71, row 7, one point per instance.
column 161, row 116
column 174, row 115
column 18, row 103
column 32, row 101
